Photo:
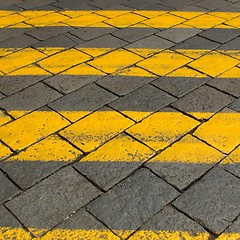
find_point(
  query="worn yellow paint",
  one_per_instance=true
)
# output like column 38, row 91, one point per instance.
column 214, row 63
column 162, row 128
column 115, row 61
column 186, row 72
column 73, row 116
column 95, row 52
column 4, row 118
column 231, row 73
column 134, row 71
column 52, row 148
column 63, row 60
column 83, row 69
column 19, row 59
column 120, row 149
column 164, row 62
column 189, row 150
column 95, row 129
column 4, row 152
column 193, row 54
column 233, row 158
column 229, row 236
column 31, row 69
column 13, row 233
column 31, row 128
column 222, row 131
column 121, row 18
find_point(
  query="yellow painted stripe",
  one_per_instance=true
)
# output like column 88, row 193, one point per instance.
column 164, row 62
column 119, row 19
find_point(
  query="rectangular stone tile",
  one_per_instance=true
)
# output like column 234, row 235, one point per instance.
column 32, row 127
column 234, row 22
column 203, row 102
column 95, row 129
column 10, row 227
column 214, row 200
column 7, row 33
column 212, row 5
column 235, row 105
column 162, row 128
column 147, row 100
column 221, row 131
column 231, row 45
column 132, row 202
column 29, row 99
column 39, row 160
column 4, row 151
column 170, row 224
column 185, row 161
column 55, row 198
column 77, row 104
column 106, row 166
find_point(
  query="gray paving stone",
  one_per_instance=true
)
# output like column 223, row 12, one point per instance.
column 146, row 99
column 47, row 32
column 179, row 86
column 46, row 7
column 74, row 38
column 140, row 4
column 7, row 189
column 2, row 96
column 204, row 100
column 49, row 202
column 178, row 35
column 169, row 220
column 133, row 201
column 220, row 35
column 232, row 231
column 34, row 3
column 70, row 83
column 71, row 5
column 88, row 98
column 90, row 33
column 30, row 98
column 235, row 105
column 102, row 4
column 231, row 45
column 122, row 85
column 230, row 85
column 134, row 34
column 158, row 7
column 13, row 84
column 152, row 42
column 7, row 33
column 21, row 41
column 213, row 201
column 56, row 41
column 213, row 5
column 177, row 5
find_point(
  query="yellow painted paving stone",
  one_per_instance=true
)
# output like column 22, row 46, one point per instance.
column 144, row 52
column 149, row 14
column 20, row 25
column 35, row 14
column 229, row 236
column 52, row 148
column 125, row 20
column 234, row 22
column 95, row 129
column 186, row 72
column 4, row 118
column 51, row 18
column 233, row 157
column 187, row 15
column 196, row 53
column 111, row 13
column 164, row 62
column 164, row 21
column 231, row 53
column 31, row 69
column 225, row 15
column 205, row 21
column 134, row 71
column 231, row 73
column 50, row 51
column 84, row 69
column 63, row 60
column 85, row 20
column 115, row 61
column 95, row 52
column 13, row 233
column 222, row 131
column 189, row 150
column 20, row 59
column 4, row 13
column 162, row 128
column 6, row 51
column 73, row 14
column 214, row 63
column 31, row 128
column 120, row 149
column 4, row 152
column 11, row 20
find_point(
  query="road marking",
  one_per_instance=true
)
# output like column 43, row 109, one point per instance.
column 119, row 19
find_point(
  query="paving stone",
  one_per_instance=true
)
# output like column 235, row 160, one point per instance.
column 48, row 32
column 203, row 102
column 4, row 118
column 158, row 7
column 231, row 45
column 7, row 220
column 7, row 189
column 151, row 42
column 7, row 33
column 140, row 4
column 177, row 5
column 169, row 223
column 106, row 166
column 185, row 161
column 235, row 105
column 229, row 85
column 39, row 160
column 133, row 201
column 21, row 41
column 213, row 5
column 122, row 85
column 19, row 103
column 134, row 34
column 34, row 3
column 178, row 35
column 74, row 38
column 2, row 95
column 179, row 86
column 81, row 225
column 82, row 101
column 55, row 198
column 90, row 33
column 220, row 35
column 56, row 41
column 147, row 100
column 214, row 200
column 71, row 4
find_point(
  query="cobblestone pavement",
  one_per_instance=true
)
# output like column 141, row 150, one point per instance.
column 120, row 119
